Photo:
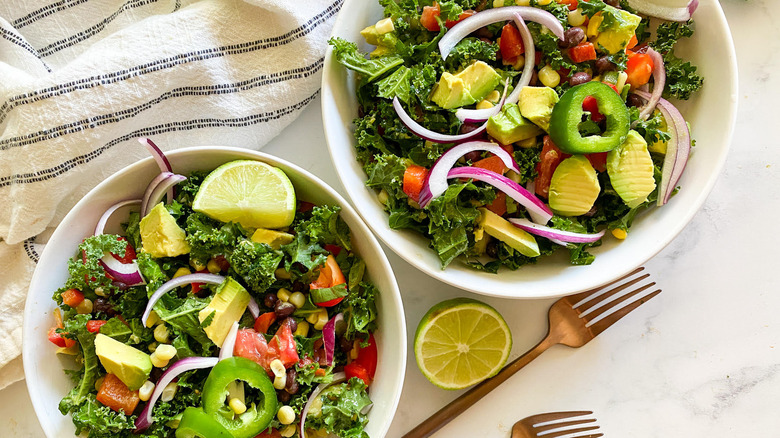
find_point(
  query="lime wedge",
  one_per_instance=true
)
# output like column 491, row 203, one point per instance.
column 251, row 193
column 461, row 342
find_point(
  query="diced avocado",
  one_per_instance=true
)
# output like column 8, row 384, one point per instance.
column 469, row 86
column 504, row 231
column 536, row 104
column 161, row 236
column 274, row 239
column 615, row 37
column 371, row 35
column 130, row 365
column 381, row 51
column 630, row 170
column 480, row 246
column 574, row 187
column 508, row 126
column 228, row 304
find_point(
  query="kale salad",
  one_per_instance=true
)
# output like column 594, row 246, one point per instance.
column 504, row 131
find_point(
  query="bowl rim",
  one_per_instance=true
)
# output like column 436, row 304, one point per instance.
column 383, row 263
column 729, row 53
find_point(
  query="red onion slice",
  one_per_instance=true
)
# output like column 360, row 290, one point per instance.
column 540, row 213
column 659, row 81
column 551, row 233
column 253, row 308
column 101, row 225
column 680, row 12
column 159, row 157
column 436, row 182
column 329, row 337
column 187, row 364
column 159, row 192
column 337, row 378
column 429, row 135
column 229, row 343
column 176, row 282
column 150, row 189
column 127, row 273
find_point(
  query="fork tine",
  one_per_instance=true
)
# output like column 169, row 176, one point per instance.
column 597, row 298
column 615, row 317
column 552, row 416
column 569, row 432
column 593, row 435
column 609, row 305
column 582, row 295
column 558, row 425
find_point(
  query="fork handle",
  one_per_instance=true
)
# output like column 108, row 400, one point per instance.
column 473, row 395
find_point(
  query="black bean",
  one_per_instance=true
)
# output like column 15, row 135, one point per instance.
column 473, row 156
column 102, row 305
column 345, row 344
column 642, row 48
column 203, row 292
column 119, row 285
column 580, row 77
column 634, row 100
column 483, row 32
column 534, row 78
column 492, row 249
column 155, row 375
column 613, row 3
column 572, row 37
column 292, row 385
column 222, row 262
column 298, row 286
column 603, row 65
column 269, row 300
column 467, row 127
column 292, row 323
column 283, row 310
column 283, row 396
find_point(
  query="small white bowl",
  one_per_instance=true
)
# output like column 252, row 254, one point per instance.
column 46, row 381
column 711, row 113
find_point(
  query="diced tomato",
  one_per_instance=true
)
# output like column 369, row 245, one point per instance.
column 354, row 369
column 197, row 286
column 549, row 160
column 330, row 303
column 571, row 4
column 509, row 148
column 57, row 339
column 591, row 105
column 367, row 357
column 511, row 44
column 612, row 86
column 639, row 69
column 283, row 344
column 253, row 346
column 264, row 321
column 129, row 255
column 494, row 164
column 117, row 396
column 330, row 275
column 537, row 57
column 463, row 15
column 632, row 42
column 72, row 297
column 584, row 51
column 333, row 249
column 598, row 160
column 428, row 17
column 320, row 372
column 414, row 180
column 499, row 204
column 93, row 325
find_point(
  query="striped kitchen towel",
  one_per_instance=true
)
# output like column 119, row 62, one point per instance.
column 81, row 79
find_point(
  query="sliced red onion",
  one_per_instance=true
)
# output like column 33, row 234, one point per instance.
column 254, row 309
column 337, row 378
column 101, row 225
column 659, row 81
column 229, row 343
column 187, row 364
column 678, row 148
column 176, row 282
column 159, row 192
column 484, row 18
column 436, row 182
column 540, row 213
column 150, row 189
column 159, row 157
column 429, row 135
column 329, row 337
column 680, row 12
column 551, row 233
column 127, row 273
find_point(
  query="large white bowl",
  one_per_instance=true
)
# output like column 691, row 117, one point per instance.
column 46, row 381
column 711, row 113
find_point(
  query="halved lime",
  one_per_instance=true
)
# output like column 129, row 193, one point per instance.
column 251, row 193
column 461, row 342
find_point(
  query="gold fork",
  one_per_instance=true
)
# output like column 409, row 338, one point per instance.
column 548, row 425
column 573, row 321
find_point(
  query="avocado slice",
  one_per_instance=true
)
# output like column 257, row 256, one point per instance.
column 614, row 38
column 469, row 86
column 480, row 79
column 227, row 306
column 536, row 104
column 517, row 239
column 161, row 236
column 630, row 169
column 574, row 187
column 274, row 239
column 130, row 365
column 509, row 126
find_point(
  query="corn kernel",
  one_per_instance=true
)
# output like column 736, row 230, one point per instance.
column 523, row 2
column 576, row 18
column 99, row 383
column 161, row 334
column 99, row 292
column 282, row 274
column 152, row 319
column 619, row 233
column 288, row 431
column 213, row 266
column 280, row 382
column 313, row 317
column 286, row 415
column 165, row 351
column 493, row 97
column 322, row 319
column 498, row 3
column 621, row 82
column 237, row 406
column 146, row 390
column 383, row 196
column 157, row 361
column 283, row 295
column 543, row 2
column 519, row 62
column 196, row 265
column 297, row 299
column 484, row 104
column 84, row 307
column 169, row 392
column 302, row 330
column 593, row 25
column 277, row 367
column 384, row 26
column 549, row 77
column 181, row 271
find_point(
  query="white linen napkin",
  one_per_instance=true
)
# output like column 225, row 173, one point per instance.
column 81, row 79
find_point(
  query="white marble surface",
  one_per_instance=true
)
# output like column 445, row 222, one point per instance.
column 702, row 359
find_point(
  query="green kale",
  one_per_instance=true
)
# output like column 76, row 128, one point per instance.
column 469, row 50
column 578, row 254
column 341, row 410
column 151, row 271
column 133, row 229
column 559, row 10
column 610, row 15
column 651, row 129
column 369, row 142
column 359, row 308
column 547, row 44
column 347, row 54
column 681, row 77
column 182, row 315
column 327, row 227
column 255, row 263
column 423, row 80
column 100, row 421
column 386, row 172
column 86, row 273
column 208, row 237
column 187, row 190
column 526, row 159
column 397, row 84
column 668, row 33
column 130, row 333
column 76, row 328
column 306, row 251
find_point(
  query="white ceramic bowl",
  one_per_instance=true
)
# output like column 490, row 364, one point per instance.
column 46, row 381
column 711, row 113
